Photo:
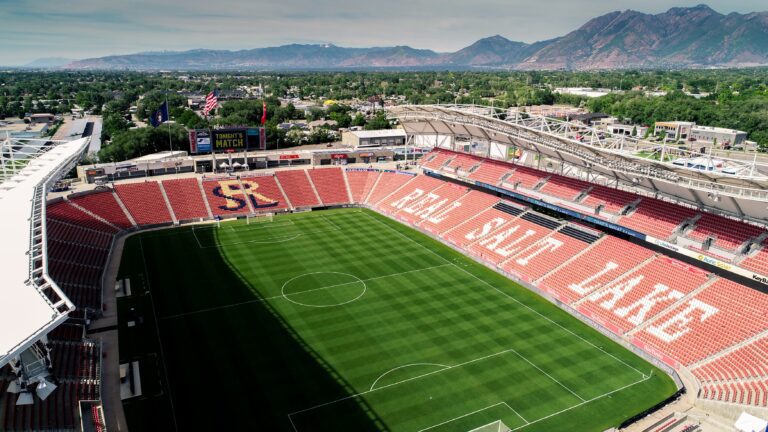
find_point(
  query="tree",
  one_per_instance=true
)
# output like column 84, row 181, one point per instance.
column 359, row 120
column 379, row 121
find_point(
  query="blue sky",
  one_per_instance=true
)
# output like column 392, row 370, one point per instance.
column 93, row 28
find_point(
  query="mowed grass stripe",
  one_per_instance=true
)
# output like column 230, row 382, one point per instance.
column 494, row 355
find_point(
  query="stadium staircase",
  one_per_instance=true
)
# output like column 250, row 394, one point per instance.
column 282, row 191
column 124, row 209
column 314, row 189
column 92, row 214
column 347, row 187
column 167, row 202
column 205, row 201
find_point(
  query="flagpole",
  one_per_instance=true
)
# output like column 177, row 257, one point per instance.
column 170, row 142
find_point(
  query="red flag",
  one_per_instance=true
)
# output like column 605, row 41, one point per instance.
column 264, row 113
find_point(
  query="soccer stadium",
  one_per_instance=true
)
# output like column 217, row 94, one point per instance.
column 525, row 274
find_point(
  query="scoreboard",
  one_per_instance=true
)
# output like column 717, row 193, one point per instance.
column 228, row 140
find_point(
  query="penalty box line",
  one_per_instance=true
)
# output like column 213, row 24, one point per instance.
column 277, row 239
column 458, row 365
column 515, row 300
column 261, row 300
column 528, row 423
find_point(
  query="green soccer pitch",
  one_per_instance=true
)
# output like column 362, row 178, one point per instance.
column 344, row 320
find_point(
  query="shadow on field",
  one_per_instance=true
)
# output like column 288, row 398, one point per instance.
column 239, row 368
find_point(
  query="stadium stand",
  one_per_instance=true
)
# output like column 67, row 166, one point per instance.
column 513, row 237
column 605, row 261
column 409, row 194
column 757, row 261
column 264, row 193
column 727, row 234
column 657, row 218
column 64, row 212
column 437, row 158
column 461, row 210
column 145, row 202
column 547, row 254
column 721, row 315
column 104, row 205
column 462, row 163
column 564, row 187
column 641, row 294
column 435, row 204
column 679, row 313
column 329, row 183
column 480, row 226
column 491, row 172
column 611, row 200
column 185, row 198
column 361, row 182
column 527, row 178
column 747, row 362
column 388, row 183
column 225, row 197
column 296, row 185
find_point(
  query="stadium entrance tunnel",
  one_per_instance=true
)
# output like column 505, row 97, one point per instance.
column 221, row 358
column 323, row 289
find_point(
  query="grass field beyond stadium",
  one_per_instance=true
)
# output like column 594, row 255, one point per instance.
column 344, row 320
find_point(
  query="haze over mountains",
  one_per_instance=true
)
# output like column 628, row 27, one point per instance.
column 681, row 37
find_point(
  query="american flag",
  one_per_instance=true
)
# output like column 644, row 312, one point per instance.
column 211, row 102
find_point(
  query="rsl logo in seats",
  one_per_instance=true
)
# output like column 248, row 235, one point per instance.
column 237, row 192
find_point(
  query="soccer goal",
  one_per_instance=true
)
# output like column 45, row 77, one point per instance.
column 259, row 218
column 497, row 426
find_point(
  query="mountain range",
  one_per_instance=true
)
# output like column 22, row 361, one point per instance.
column 678, row 38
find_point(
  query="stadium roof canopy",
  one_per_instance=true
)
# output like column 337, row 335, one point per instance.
column 26, row 312
column 737, row 186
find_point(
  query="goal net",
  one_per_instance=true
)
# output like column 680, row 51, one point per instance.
column 259, row 218
column 497, row 426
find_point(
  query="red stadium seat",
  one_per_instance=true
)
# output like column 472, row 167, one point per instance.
column 185, row 198
column 330, row 185
column 145, row 202
column 296, row 186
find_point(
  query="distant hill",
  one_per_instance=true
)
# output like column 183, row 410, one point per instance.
column 680, row 37
column 49, row 62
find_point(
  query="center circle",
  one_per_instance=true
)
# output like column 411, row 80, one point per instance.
column 323, row 289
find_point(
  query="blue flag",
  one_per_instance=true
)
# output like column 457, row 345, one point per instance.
column 160, row 116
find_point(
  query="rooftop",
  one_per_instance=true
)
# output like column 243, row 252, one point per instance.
column 383, row 133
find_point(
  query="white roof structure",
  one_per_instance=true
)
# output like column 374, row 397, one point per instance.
column 736, row 185
column 26, row 312
column 750, row 423
column 384, row 133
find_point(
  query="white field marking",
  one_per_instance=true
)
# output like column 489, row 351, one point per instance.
column 330, row 222
column 157, row 328
column 277, row 239
column 298, row 292
column 475, row 412
column 515, row 300
column 262, row 225
column 357, row 280
column 548, row 375
column 584, row 403
column 458, row 365
column 405, row 366
column 200, row 245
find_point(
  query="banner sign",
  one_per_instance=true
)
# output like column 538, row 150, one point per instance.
column 229, row 140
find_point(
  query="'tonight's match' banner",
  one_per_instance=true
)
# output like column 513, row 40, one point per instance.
column 227, row 140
